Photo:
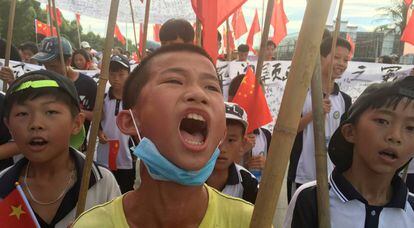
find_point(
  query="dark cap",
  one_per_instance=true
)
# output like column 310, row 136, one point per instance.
column 243, row 48
column 121, row 59
column 341, row 151
column 52, row 80
column 49, row 49
column 236, row 112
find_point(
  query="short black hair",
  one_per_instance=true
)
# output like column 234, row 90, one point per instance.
column 235, row 84
column 243, row 48
column 115, row 67
column 20, row 97
column 140, row 75
column 326, row 45
column 232, row 122
column 270, row 43
column 29, row 46
column 176, row 28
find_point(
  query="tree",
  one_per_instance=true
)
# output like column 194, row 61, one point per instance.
column 395, row 17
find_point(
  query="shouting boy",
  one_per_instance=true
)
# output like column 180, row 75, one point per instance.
column 229, row 177
column 42, row 112
column 369, row 149
column 173, row 100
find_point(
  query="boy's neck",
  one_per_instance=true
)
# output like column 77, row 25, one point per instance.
column 167, row 204
column 117, row 93
column 374, row 187
column 51, row 168
column 218, row 179
column 71, row 74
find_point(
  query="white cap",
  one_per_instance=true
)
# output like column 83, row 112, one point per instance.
column 85, row 44
column 236, row 112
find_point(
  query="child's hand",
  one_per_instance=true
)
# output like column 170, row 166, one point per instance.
column 326, row 105
column 6, row 74
column 256, row 162
column 102, row 137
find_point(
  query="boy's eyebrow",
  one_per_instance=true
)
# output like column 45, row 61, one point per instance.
column 184, row 72
column 391, row 113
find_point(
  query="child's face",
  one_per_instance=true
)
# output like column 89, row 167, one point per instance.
column 117, row 78
column 181, row 108
column 340, row 62
column 383, row 138
column 42, row 128
column 231, row 149
column 80, row 61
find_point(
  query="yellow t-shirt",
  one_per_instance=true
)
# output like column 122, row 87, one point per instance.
column 222, row 211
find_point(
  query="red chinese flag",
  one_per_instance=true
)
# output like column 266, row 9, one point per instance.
column 118, row 35
column 113, row 153
column 351, row 42
column 408, row 2
column 157, row 28
column 14, row 212
column 279, row 21
column 253, row 30
column 250, row 96
column 77, row 18
column 42, row 28
column 58, row 14
column 239, row 24
column 408, row 34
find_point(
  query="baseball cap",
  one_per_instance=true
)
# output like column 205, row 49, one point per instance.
column 341, row 151
column 235, row 112
column 50, row 80
column 85, row 44
column 121, row 59
column 49, row 49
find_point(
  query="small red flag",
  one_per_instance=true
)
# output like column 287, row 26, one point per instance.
column 279, row 21
column 408, row 34
column 15, row 213
column 351, row 42
column 239, row 24
column 157, row 28
column 408, row 2
column 58, row 14
column 255, row 28
column 250, row 96
column 118, row 35
column 113, row 153
column 44, row 29
column 77, row 18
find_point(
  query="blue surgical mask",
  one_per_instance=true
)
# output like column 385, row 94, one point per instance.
column 160, row 168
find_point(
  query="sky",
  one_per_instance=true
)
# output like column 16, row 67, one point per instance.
column 362, row 13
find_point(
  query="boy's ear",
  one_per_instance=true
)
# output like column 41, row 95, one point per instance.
column 78, row 123
column 348, row 131
column 125, row 123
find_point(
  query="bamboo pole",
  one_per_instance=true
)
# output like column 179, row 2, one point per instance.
column 198, row 32
column 285, row 130
column 320, row 147
column 228, row 34
column 79, row 35
column 333, row 47
column 62, row 59
column 97, row 112
column 146, row 19
column 12, row 13
column 133, row 26
column 265, row 36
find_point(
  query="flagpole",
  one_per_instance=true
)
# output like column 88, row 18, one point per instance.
column 287, row 122
column 228, row 34
column 62, row 60
column 97, row 111
column 198, row 32
column 50, row 17
column 320, row 147
column 333, row 47
column 37, row 42
column 265, row 36
column 133, row 26
column 10, row 26
column 146, row 19
column 26, row 202
column 78, row 28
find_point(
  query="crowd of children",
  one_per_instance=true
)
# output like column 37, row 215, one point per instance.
column 172, row 153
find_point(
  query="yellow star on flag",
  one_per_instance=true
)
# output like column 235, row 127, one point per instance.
column 17, row 211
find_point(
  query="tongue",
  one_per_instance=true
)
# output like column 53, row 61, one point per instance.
column 196, row 136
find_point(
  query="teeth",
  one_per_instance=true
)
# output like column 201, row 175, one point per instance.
column 193, row 142
column 195, row 117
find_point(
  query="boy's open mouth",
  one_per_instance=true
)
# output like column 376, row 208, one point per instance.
column 193, row 129
column 389, row 153
column 38, row 142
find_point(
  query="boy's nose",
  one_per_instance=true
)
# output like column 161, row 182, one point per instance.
column 394, row 136
column 196, row 94
column 35, row 124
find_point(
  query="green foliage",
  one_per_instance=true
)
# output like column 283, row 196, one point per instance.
column 24, row 28
column 395, row 16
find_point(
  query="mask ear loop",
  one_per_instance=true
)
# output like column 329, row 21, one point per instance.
column 135, row 125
